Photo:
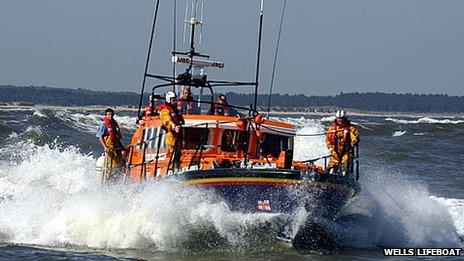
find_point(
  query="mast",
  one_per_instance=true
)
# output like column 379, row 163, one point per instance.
column 258, row 55
column 150, row 45
column 193, row 22
column 194, row 75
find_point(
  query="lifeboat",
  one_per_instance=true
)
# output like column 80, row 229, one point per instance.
column 245, row 158
column 247, row 161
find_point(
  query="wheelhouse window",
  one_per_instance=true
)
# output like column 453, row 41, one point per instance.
column 274, row 144
column 152, row 137
column 233, row 140
column 194, row 137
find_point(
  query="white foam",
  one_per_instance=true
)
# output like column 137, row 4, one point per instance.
column 456, row 209
column 34, row 129
column 399, row 133
column 426, row 120
column 126, row 122
column 13, row 135
column 327, row 119
column 311, row 147
column 52, row 196
column 363, row 126
column 39, row 113
column 394, row 211
column 310, row 140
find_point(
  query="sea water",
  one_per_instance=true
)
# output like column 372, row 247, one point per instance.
column 53, row 206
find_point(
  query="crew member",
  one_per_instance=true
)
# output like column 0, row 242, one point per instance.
column 149, row 110
column 341, row 138
column 172, row 122
column 185, row 103
column 110, row 137
column 221, row 107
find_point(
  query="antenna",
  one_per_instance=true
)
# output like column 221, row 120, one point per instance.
column 174, row 42
column 258, row 55
column 185, row 24
column 191, row 20
column 201, row 22
column 196, row 9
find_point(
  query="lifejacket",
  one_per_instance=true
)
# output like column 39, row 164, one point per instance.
column 176, row 117
column 335, row 139
column 113, row 128
column 185, row 105
column 221, row 109
column 147, row 111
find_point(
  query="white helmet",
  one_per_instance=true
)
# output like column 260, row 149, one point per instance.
column 340, row 114
column 169, row 96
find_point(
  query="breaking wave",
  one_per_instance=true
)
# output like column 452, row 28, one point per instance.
column 425, row 120
column 52, row 196
column 89, row 122
column 395, row 211
column 456, row 209
column 39, row 113
column 399, row 133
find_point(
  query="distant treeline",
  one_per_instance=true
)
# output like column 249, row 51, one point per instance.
column 64, row 96
column 371, row 101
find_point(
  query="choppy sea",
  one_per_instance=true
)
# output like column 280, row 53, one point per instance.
column 52, row 205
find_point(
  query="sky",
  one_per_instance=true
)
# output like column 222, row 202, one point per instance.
column 327, row 46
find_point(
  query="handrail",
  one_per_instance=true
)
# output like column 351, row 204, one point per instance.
column 314, row 160
column 143, row 170
column 201, row 147
column 250, row 110
column 354, row 161
column 158, row 145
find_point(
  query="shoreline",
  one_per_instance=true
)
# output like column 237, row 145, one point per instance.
column 276, row 113
column 371, row 114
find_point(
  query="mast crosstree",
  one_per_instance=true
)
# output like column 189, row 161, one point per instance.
column 195, row 75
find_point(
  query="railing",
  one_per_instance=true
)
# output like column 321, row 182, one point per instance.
column 148, row 138
column 353, row 164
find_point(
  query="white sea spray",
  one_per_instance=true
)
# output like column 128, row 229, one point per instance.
column 398, row 212
column 50, row 195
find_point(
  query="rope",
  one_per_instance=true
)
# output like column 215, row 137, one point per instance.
column 275, row 57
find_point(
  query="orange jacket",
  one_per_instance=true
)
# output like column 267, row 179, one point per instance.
column 341, row 136
column 170, row 118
